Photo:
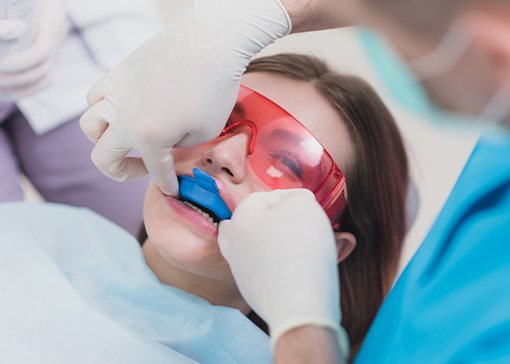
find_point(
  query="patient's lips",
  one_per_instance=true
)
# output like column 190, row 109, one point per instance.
column 202, row 192
column 197, row 205
column 194, row 219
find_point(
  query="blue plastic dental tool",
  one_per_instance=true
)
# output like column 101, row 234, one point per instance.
column 201, row 189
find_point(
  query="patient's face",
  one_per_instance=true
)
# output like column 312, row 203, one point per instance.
column 187, row 240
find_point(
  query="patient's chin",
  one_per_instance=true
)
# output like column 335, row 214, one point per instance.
column 187, row 251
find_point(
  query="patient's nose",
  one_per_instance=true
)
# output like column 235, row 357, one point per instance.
column 228, row 158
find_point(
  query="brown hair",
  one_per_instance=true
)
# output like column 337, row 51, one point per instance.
column 376, row 182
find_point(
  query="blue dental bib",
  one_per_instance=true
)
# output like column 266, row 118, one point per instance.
column 201, row 189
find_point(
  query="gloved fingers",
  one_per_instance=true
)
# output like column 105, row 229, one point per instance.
column 159, row 162
column 110, row 155
column 257, row 201
column 24, row 60
column 11, row 29
column 223, row 238
column 135, row 167
column 293, row 193
column 95, row 120
column 266, row 200
column 27, row 77
column 195, row 138
column 100, row 90
column 14, row 93
column 43, row 47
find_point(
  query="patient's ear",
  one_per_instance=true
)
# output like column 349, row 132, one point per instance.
column 345, row 244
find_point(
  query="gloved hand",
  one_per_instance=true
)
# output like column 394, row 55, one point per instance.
column 282, row 252
column 179, row 88
column 29, row 69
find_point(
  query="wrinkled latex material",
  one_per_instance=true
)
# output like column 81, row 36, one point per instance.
column 182, row 83
column 75, row 289
column 285, row 236
column 17, row 24
column 202, row 190
column 102, row 34
column 27, row 66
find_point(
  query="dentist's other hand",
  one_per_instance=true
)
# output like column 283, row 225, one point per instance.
column 28, row 69
column 282, row 252
column 179, row 88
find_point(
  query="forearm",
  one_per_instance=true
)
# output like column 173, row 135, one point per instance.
column 308, row 344
column 308, row 15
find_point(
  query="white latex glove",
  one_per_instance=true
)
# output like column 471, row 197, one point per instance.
column 179, row 88
column 28, row 70
column 282, row 252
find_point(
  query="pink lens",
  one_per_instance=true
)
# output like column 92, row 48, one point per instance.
column 284, row 154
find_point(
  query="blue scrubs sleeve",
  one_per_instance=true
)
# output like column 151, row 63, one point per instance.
column 452, row 303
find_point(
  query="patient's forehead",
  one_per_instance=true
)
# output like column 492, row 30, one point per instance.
column 305, row 103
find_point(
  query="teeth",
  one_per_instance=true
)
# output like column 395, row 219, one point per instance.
column 203, row 213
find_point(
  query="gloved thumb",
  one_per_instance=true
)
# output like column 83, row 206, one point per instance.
column 272, row 198
column 197, row 137
column 11, row 29
column 259, row 201
column 303, row 192
column 223, row 237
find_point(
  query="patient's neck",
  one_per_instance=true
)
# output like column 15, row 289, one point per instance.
column 214, row 291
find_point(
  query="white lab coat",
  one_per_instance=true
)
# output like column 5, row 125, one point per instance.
column 108, row 31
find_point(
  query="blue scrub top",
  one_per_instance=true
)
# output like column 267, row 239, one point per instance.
column 452, row 302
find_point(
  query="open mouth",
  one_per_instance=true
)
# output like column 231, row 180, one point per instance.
column 200, row 193
column 208, row 214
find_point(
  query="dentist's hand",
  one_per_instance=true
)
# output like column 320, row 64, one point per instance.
column 179, row 88
column 282, row 253
column 29, row 69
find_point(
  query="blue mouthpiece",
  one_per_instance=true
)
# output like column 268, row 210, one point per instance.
column 201, row 189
